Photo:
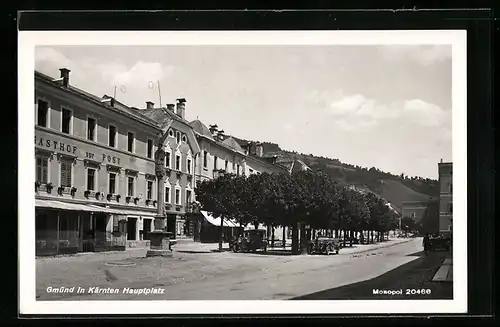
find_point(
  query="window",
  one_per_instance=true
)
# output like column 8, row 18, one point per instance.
column 112, row 183
column 43, row 111
column 130, row 143
column 66, row 121
column 238, row 169
column 184, row 138
column 112, row 136
column 225, row 165
column 167, row 159
column 411, row 215
column 450, row 207
column 167, row 194
column 150, row 190
column 189, row 166
column 250, row 171
column 188, row 196
column 150, row 148
column 177, row 196
column 171, row 133
column 177, row 162
column 42, row 169
column 90, row 179
column 65, row 173
column 205, row 159
column 91, row 129
column 130, row 191
column 215, row 163
column 178, row 137
column 451, row 188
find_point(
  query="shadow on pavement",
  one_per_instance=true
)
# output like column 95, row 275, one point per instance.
column 416, row 275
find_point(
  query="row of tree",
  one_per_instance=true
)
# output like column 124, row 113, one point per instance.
column 300, row 201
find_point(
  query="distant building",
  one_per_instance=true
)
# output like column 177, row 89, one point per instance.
column 445, row 170
column 414, row 209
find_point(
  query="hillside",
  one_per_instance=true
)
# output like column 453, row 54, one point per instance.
column 394, row 188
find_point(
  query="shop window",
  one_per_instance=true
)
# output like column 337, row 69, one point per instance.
column 42, row 169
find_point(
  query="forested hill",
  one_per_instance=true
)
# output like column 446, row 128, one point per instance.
column 394, row 188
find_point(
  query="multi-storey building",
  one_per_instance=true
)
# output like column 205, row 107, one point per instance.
column 445, row 170
column 95, row 172
column 414, row 209
column 220, row 153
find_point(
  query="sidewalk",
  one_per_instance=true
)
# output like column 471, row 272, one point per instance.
column 445, row 273
column 197, row 247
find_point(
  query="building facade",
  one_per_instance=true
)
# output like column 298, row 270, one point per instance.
column 220, row 153
column 96, row 187
column 414, row 209
column 445, row 170
column 95, row 177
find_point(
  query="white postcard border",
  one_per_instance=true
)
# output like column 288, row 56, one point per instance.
column 26, row 201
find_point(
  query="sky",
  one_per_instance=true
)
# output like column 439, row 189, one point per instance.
column 387, row 107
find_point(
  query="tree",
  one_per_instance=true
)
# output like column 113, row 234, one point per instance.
column 220, row 198
column 408, row 224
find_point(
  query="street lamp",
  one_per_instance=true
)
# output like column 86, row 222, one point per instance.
column 160, row 239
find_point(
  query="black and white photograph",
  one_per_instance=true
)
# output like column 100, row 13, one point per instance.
column 256, row 172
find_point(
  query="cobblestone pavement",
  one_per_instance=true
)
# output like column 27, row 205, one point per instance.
column 197, row 273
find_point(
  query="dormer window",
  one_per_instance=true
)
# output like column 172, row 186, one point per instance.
column 178, row 137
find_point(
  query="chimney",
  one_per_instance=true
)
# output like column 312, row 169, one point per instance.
column 171, row 107
column 259, row 149
column 220, row 135
column 213, row 129
column 181, row 107
column 150, row 105
column 65, row 76
column 441, row 160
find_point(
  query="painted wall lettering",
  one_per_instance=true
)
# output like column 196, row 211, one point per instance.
column 110, row 159
column 58, row 146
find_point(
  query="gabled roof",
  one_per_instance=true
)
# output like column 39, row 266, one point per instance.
column 97, row 100
column 231, row 143
column 201, row 129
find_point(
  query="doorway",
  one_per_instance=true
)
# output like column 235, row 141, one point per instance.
column 131, row 229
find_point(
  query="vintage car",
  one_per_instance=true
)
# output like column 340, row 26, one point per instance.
column 439, row 243
column 324, row 245
column 250, row 241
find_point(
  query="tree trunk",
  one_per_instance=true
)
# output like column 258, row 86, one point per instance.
column 304, row 240
column 343, row 237
column 256, row 225
column 221, row 232
column 371, row 232
column 272, row 235
column 295, row 239
column 336, row 233
column 350, row 237
column 284, row 236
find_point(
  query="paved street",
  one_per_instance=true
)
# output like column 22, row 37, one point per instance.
column 196, row 273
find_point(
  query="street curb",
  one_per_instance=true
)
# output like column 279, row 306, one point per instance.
column 444, row 273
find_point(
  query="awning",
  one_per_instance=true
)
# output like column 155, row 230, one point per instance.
column 252, row 226
column 216, row 221
column 51, row 204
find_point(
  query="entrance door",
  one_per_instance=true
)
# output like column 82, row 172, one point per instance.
column 146, row 228
column 131, row 229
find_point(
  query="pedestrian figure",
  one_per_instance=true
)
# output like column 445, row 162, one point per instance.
column 425, row 243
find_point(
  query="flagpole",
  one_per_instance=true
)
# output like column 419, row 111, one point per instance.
column 159, row 91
